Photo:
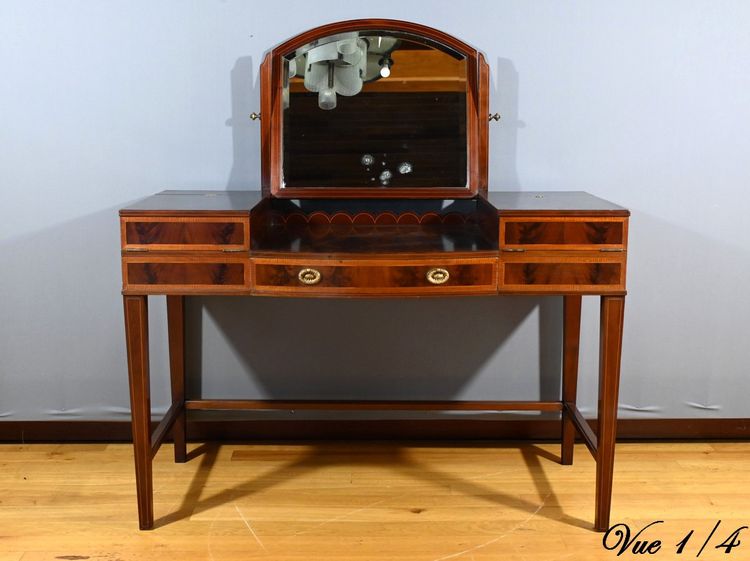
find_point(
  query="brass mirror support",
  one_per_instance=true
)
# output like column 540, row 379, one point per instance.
column 309, row 276
column 495, row 116
column 254, row 116
column 438, row 276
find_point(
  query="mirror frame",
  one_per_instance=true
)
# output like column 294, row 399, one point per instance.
column 477, row 106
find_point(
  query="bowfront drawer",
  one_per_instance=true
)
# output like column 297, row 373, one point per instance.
column 301, row 277
column 569, row 232
column 181, row 233
column 160, row 274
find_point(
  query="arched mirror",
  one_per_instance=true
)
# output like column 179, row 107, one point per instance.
column 374, row 108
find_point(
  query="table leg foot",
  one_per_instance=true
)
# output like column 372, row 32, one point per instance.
column 136, row 334
column 610, row 349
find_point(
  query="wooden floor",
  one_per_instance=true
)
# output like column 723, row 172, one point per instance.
column 364, row 501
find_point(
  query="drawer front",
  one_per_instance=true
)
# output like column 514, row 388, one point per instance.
column 179, row 233
column 562, row 272
column 571, row 232
column 375, row 277
column 170, row 274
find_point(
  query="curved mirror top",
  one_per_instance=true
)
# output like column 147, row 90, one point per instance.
column 374, row 109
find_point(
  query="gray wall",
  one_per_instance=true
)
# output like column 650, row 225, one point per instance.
column 644, row 103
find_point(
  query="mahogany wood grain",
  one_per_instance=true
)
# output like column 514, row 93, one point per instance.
column 185, row 233
column 377, row 277
column 583, row 428
column 483, row 128
column 136, row 337
column 578, row 274
column 176, row 335
column 165, row 426
column 161, row 273
column 571, row 336
column 562, row 272
column 610, row 350
column 368, row 239
column 186, row 273
column 562, row 233
column 268, row 149
column 389, row 219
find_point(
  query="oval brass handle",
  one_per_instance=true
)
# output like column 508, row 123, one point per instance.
column 438, row 276
column 309, row 276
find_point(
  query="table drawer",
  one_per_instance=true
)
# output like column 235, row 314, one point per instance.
column 375, row 276
column 184, row 274
column 179, row 233
column 570, row 232
column 562, row 272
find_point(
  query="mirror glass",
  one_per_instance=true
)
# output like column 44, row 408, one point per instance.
column 374, row 109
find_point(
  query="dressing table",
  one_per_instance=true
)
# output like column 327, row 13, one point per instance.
column 374, row 151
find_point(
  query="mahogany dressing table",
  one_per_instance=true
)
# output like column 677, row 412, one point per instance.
column 374, row 149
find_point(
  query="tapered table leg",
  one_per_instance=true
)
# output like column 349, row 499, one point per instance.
column 571, row 337
column 176, row 328
column 610, row 349
column 136, row 335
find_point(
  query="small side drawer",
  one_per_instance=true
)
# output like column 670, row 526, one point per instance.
column 563, row 272
column 180, row 233
column 184, row 274
column 570, row 232
column 369, row 277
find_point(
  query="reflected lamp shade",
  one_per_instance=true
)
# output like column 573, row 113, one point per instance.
column 335, row 68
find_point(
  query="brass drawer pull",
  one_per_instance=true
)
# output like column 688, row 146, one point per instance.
column 309, row 276
column 438, row 276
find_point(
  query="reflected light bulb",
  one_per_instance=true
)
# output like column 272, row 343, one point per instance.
column 385, row 66
column 327, row 98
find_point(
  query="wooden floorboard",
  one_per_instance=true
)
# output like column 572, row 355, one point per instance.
column 366, row 501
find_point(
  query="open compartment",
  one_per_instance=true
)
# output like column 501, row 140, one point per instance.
column 374, row 226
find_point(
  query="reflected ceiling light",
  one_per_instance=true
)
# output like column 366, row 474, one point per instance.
column 385, row 66
column 342, row 65
column 334, row 68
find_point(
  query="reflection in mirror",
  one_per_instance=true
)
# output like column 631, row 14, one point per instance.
column 374, row 109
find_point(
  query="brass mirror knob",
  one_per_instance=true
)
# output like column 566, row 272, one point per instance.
column 495, row 116
column 438, row 276
column 255, row 116
column 309, row 276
